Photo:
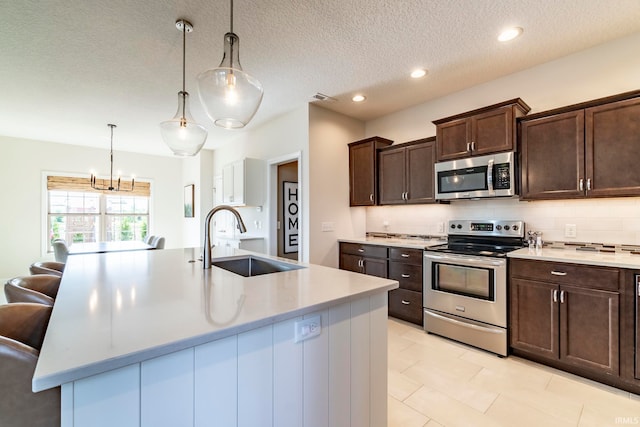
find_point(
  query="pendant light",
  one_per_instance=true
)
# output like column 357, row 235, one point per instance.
column 110, row 187
column 230, row 96
column 182, row 134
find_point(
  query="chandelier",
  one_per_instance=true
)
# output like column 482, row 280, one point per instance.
column 230, row 96
column 110, row 187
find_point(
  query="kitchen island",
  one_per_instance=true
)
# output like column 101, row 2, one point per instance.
column 150, row 338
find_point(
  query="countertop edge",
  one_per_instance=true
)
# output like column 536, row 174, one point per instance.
column 626, row 261
column 398, row 243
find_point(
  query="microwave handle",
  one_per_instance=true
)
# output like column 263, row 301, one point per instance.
column 490, row 175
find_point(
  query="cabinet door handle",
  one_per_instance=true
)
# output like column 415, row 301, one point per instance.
column 371, row 197
column 561, row 297
column 581, row 185
column 406, row 276
column 405, row 302
column 558, row 273
column 473, row 146
column 588, row 184
column 468, row 146
column 555, row 295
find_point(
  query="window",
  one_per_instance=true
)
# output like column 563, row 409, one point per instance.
column 77, row 213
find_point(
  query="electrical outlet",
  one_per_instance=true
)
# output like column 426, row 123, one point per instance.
column 570, row 230
column 327, row 226
column 307, row 328
column 441, row 227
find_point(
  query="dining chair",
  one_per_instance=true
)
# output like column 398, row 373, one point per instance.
column 41, row 289
column 22, row 330
column 158, row 242
column 47, row 267
column 60, row 250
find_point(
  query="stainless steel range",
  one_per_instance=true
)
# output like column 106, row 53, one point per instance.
column 465, row 282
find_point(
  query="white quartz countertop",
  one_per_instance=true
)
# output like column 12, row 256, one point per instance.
column 607, row 259
column 120, row 308
column 398, row 242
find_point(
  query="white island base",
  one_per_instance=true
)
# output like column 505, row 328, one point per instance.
column 255, row 378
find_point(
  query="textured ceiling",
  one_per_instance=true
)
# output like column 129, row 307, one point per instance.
column 69, row 67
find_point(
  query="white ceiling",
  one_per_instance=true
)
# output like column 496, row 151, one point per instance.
column 69, row 67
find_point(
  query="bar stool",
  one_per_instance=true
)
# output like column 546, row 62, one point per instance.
column 22, row 329
column 41, row 289
column 47, row 267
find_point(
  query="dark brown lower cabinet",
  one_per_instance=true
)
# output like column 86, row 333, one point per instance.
column 574, row 317
column 371, row 266
column 401, row 264
column 406, row 305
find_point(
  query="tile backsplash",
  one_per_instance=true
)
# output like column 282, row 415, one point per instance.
column 615, row 220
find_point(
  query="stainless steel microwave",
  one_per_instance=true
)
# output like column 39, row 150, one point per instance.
column 476, row 177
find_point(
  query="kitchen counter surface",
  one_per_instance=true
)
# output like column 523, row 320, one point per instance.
column 397, row 242
column 606, row 259
column 116, row 309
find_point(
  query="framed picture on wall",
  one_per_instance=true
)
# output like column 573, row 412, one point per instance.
column 188, row 200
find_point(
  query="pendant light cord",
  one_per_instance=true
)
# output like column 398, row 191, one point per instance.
column 184, row 49
column 231, row 15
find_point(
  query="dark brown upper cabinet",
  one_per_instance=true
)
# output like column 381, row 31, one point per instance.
column 586, row 150
column 479, row 132
column 363, row 170
column 405, row 173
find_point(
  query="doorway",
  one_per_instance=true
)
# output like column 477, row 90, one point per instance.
column 288, row 216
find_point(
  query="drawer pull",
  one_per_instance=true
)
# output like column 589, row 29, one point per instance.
column 405, row 302
column 360, row 250
column 558, row 273
column 406, row 276
column 404, row 255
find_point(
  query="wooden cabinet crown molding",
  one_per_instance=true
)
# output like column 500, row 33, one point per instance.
column 581, row 105
column 516, row 102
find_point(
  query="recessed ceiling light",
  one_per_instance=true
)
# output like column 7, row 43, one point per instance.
column 358, row 98
column 510, row 34
column 416, row 74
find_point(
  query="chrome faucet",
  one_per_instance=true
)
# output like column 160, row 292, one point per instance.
column 206, row 255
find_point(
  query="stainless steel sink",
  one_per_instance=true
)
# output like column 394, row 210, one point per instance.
column 249, row 265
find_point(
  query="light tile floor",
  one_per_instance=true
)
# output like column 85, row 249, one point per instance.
column 434, row 381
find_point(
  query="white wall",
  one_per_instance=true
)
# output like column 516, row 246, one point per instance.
column 329, row 136
column 282, row 136
column 598, row 72
column 21, row 169
column 198, row 170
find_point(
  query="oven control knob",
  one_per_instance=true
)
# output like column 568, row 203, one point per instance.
column 506, row 228
column 514, row 228
column 498, row 227
column 453, row 226
column 459, row 226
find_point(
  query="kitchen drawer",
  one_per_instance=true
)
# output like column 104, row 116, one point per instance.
column 410, row 256
column 408, row 275
column 406, row 305
column 370, row 251
column 585, row 276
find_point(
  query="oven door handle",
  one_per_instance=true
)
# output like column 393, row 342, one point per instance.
column 459, row 323
column 462, row 259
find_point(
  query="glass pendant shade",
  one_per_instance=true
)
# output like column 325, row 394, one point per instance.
column 230, row 96
column 182, row 134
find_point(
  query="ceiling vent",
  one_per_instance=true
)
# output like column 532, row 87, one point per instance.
column 322, row 97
